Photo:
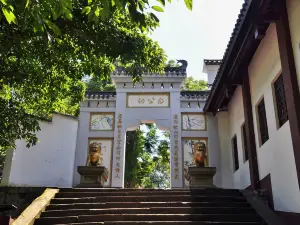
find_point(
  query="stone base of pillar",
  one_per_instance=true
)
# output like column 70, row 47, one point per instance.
column 201, row 177
column 92, row 176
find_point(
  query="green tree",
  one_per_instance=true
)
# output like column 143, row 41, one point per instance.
column 39, row 76
column 147, row 159
column 135, row 142
column 39, row 15
column 94, row 84
column 192, row 84
column 160, row 175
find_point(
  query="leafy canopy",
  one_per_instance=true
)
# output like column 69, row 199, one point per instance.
column 43, row 12
column 147, row 158
column 42, row 67
column 192, row 84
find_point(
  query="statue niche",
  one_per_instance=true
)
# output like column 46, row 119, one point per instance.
column 200, row 154
column 95, row 157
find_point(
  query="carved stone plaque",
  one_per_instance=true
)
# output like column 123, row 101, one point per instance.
column 193, row 121
column 102, row 121
column 151, row 100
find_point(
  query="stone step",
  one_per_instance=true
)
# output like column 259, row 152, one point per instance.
column 179, row 223
column 116, row 190
column 143, row 193
column 91, row 223
column 144, row 204
column 153, row 198
column 154, row 210
column 146, row 217
column 163, row 222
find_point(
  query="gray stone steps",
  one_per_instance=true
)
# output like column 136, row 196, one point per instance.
column 163, row 222
column 179, row 223
column 154, row 210
column 66, row 194
column 151, row 217
column 94, row 206
column 144, row 204
column 152, row 198
column 91, row 223
column 116, row 190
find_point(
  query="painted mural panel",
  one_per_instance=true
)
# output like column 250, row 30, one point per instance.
column 102, row 121
column 101, row 155
column 193, row 149
column 151, row 100
column 193, row 121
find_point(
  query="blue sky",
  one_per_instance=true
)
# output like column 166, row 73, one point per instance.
column 202, row 33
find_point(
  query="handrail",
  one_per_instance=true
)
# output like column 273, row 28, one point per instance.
column 34, row 210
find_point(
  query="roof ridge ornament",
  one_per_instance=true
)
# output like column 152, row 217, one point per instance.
column 177, row 69
column 168, row 70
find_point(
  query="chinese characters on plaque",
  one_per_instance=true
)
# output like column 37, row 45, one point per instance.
column 118, row 147
column 148, row 100
column 176, row 149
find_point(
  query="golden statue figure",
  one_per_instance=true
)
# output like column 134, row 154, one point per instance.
column 200, row 154
column 95, row 154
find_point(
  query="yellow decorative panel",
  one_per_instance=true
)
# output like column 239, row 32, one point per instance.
column 148, row 100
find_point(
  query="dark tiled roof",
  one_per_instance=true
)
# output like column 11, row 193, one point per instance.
column 181, row 73
column 168, row 70
column 239, row 22
column 107, row 94
column 212, row 61
column 194, row 94
column 100, row 94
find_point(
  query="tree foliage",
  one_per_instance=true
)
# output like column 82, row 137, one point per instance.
column 42, row 66
column 95, row 84
column 43, row 12
column 192, row 84
column 147, row 159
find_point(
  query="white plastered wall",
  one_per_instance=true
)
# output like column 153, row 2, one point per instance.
column 225, row 169
column 50, row 162
column 241, row 177
column 275, row 157
column 211, row 71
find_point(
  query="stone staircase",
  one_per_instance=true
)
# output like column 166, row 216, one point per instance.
column 149, row 206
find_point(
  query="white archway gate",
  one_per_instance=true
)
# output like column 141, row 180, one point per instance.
column 106, row 116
